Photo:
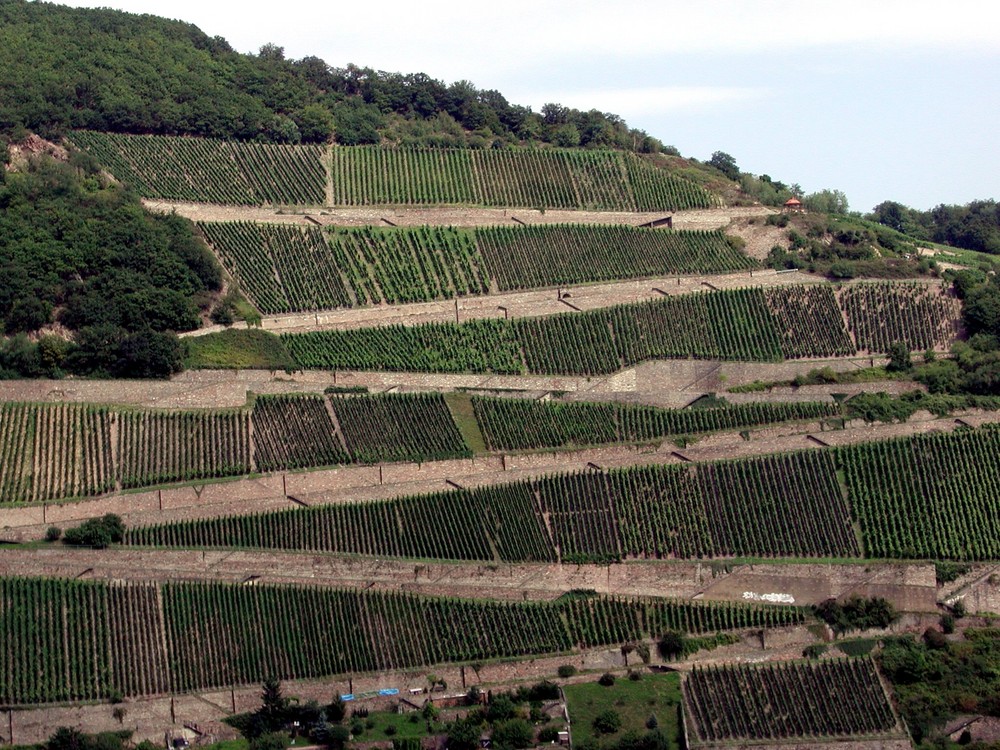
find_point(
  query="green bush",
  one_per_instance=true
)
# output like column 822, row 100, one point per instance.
column 97, row 532
column 607, row 722
column 566, row 670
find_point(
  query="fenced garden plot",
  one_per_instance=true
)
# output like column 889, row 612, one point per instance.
column 787, row 701
column 882, row 314
column 209, row 170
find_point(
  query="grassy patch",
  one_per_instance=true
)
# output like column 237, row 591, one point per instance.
column 403, row 726
column 460, row 406
column 239, row 744
column 241, row 349
column 656, row 695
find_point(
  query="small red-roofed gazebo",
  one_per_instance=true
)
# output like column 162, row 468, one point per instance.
column 794, row 205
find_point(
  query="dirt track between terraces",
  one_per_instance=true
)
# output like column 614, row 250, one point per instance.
column 712, row 218
column 670, row 383
column 368, row 483
column 537, row 303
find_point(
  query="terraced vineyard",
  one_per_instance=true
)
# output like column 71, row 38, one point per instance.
column 814, row 702
column 925, row 497
column 415, row 427
column 52, row 451
column 287, row 268
column 785, row 505
column 518, row 424
column 549, row 178
column 213, row 171
column 88, row 640
column 930, row 496
column 60, row 451
column 156, row 447
column 447, row 525
column 292, row 431
column 210, row 171
column 880, row 315
column 290, row 269
column 540, row 256
column 752, row 324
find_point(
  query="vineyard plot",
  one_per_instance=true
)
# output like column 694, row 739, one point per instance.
column 89, row 640
column 397, row 427
column 540, row 256
column 809, row 321
column 156, row 447
column 929, row 497
column 79, row 640
column 882, row 314
column 291, row 269
column 72, row 451
column 210, row 171
column 510, row 424
column 788, row 505
column 475, row 346
column 787, row 701
column 528, row 178
column 294, row 431
column 481, row 524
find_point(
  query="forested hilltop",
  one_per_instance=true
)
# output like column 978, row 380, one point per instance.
column 66, row 68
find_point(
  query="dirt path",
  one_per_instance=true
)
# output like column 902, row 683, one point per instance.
column 456, row 216
column 537, row 303
column 669, row 382
column 367, row 483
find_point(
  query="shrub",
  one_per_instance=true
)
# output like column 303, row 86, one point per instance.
column 671, row 645
column 814, row 651
column 53, row 533
column 947, row 624
column 566, row 670
column 97, row 532
column 607, row 722
column 548, row 734
column 607, row 679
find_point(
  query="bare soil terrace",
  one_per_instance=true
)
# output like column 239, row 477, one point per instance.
column 454, row 216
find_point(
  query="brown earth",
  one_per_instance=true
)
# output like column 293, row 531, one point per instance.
column 455, row 216
column 759, row 236
column 911, row 587
column 673, row 382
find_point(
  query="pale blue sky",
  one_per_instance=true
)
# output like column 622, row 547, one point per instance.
column 883, row 99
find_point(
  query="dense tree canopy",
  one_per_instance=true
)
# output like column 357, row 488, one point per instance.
column 63, row 68
column 77, row 250
column 974, row 226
